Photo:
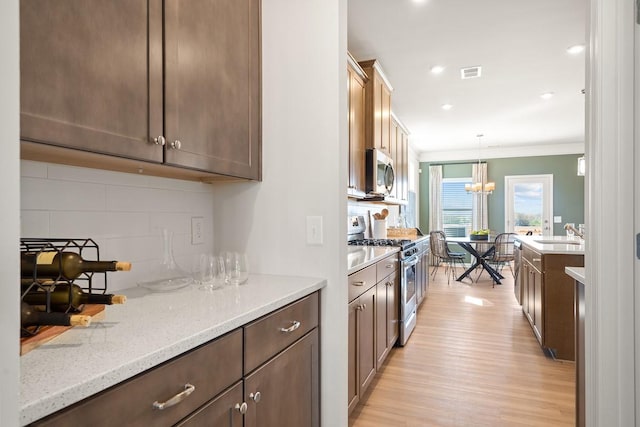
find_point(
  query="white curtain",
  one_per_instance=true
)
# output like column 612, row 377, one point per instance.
column 435, row 197
column 435, row 203
column 480, row 208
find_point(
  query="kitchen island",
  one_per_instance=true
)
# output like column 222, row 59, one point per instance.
column 150, row 329
column 546, row 292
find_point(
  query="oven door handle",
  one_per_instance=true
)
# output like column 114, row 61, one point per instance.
column 410, row 262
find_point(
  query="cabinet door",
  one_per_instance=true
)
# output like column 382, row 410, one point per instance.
column 353, row 390
column 394, row 133
column 220, row 412
column 91, row 87
column 288, row 387
column 403, row 149
column 381, row 322
column 385, row 104
column 212, row 84
column 525, row 279
column 393, row 309
column 356, row 132
column 538, row 321
column 367, row 339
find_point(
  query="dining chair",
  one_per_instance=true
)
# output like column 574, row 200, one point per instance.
column 503, row 253
column 442, row 253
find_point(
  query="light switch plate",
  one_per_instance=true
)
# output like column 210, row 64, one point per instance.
column 197, row 230
column 557, row 219
column 314, row 230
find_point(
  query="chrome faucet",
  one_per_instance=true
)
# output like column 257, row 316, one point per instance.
column 572, row 228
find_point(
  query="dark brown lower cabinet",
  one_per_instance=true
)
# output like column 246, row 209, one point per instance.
column 268, row 390
column 547, row 299
column 362, row 345
column 283, row 390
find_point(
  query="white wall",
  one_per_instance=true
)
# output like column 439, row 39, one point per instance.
column 123, row 213
column 304, row 172
column 9, row 214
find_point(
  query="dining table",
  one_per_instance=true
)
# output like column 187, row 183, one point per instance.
column 479, row 258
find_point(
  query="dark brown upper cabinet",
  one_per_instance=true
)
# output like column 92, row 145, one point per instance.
column 171, row 83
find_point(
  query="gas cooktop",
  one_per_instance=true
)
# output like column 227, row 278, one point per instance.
column 380, row 242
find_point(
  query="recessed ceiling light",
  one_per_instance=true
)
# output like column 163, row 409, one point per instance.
column 576, row 49
column 437, row 69
column 446, row 107
column 547, row 95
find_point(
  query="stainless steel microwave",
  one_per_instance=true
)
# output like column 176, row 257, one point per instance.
column 380, row 176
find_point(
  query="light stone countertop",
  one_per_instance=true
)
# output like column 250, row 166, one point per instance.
column 359, row 257
column 576, row 272
column 554, row 244
column 149, row 329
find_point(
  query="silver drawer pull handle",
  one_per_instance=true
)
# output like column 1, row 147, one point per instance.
column 294, row 325
column 536, row 260
column 359, row 283
column 241, row 407
column 255, row 396
column 389, row 265
column 188, row 389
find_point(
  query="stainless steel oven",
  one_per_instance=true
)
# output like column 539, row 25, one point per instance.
column 409, row 259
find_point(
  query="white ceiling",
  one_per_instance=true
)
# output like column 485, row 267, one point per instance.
column 521, row 46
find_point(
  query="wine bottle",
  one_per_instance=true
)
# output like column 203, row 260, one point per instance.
column 65, row 295
column 32, row 317
column 67, row 265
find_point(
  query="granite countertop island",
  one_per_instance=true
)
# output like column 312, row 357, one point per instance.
column 149, row 329
column 554, row 244
column 576, row 273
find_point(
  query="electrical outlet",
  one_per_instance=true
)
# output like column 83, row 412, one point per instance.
column 197, row 230
column 557, row 219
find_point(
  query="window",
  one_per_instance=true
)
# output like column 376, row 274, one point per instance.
column 457, row 207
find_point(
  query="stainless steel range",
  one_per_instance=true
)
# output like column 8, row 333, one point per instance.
column 409, row 257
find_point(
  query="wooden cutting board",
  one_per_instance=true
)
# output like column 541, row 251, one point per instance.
column 47, row 333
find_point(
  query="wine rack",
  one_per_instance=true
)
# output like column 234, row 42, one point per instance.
column 91, row 282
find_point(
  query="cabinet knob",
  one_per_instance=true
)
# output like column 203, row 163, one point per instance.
column 241, row 407
column 176, row 145
column 159, row 140
column 255, row 396
column 364, row 306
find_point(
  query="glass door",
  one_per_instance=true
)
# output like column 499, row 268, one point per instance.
column 529, row 204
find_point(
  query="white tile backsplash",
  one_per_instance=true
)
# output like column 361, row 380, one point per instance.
column 122, row 213
column 52, row 195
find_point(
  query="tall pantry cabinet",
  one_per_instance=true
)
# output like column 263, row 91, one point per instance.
column 171, row 83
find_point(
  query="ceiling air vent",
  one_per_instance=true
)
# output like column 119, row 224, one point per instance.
column 470, row 72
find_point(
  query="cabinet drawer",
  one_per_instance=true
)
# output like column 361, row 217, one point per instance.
column 210, row 368
column 360, row 281
column 534, row 258
column 269, row 335
column 386, row 267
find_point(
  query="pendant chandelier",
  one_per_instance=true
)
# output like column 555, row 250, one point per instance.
column 480, row 187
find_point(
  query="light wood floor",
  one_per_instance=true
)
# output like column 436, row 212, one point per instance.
column 470, row 365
